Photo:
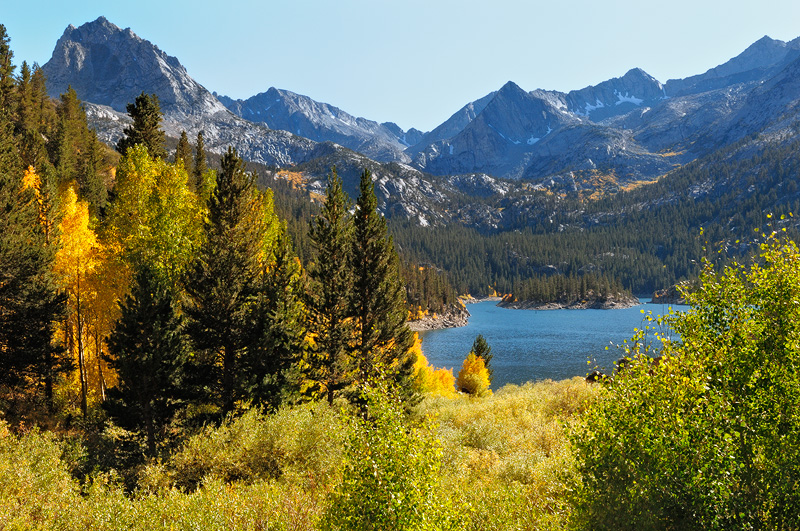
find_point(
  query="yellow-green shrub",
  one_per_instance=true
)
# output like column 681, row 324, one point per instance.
column 473, row 378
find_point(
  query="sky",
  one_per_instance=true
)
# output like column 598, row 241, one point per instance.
column 416, row 62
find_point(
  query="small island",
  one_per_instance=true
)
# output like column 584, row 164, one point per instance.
column 570, row 292
column 673, row 294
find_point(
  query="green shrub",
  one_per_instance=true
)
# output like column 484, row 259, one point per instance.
column 391, row 475
column 303, row 442
column 709, row 437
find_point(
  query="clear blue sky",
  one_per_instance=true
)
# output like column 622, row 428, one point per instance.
column 415, row 62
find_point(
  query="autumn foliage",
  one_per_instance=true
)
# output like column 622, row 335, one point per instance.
column 473, row 378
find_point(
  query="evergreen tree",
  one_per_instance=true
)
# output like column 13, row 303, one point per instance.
column 222, row 280
column 146, row 128
column 148, row 351
column 7, row 81
column 184, row 153
column 378, row 307
column 279, row 328
column 482, row 350
column 200, row 167
column 29, row 302
column 77, row 151
column 330, row 365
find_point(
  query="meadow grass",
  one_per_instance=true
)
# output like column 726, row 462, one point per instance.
column 506, row 465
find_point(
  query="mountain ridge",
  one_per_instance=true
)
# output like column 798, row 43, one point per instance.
column 623, row 131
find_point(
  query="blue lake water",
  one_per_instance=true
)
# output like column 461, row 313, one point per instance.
column 530, row 345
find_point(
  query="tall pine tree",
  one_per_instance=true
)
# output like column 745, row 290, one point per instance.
column 330, row 363
column 200, row 167
column 378, row 305
column 279, row 328
column 222, row 281
column 29, row 302
column 146, row 128
column 149, row 353
column 183, row 153
column 7, row 82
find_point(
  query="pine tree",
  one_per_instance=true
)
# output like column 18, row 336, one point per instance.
column 222, row 280
column 146, row 128
column 330, row 364
column 184, row 153
column 279, row 328
column 7, row 81
column 77, row 151
column 149, row 352
column 378, row 307
column 29, row 302
column 200, row 167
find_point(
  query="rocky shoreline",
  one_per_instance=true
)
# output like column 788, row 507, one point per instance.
column 605, row 304
column 455, row 316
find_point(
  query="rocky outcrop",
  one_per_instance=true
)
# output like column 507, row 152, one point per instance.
column 672, row 295
column 455, row 316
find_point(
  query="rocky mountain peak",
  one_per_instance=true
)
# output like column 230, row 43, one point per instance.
column 110, row 66
column 616, row 96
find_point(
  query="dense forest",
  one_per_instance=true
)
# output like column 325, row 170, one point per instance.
column 153, row 290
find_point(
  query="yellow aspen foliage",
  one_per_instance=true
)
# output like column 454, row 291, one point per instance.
column 76, row 259
column 31, row 180
column 156, row 218
column 430, row 380
column 473, row 378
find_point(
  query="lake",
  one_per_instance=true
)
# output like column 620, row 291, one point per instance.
column 530, row 345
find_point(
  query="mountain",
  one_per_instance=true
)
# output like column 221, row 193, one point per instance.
column 761, row 59
column 616, row 96
column 619, row 133
column 108, row 67
column 298, row 114
column 622, row 131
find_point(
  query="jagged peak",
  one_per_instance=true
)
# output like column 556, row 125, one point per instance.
column 510, row 86
column 640, row 74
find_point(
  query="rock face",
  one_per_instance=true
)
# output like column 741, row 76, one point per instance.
column 616, row 96
column 455, row 316
column 111, row 66
column 300, row 115
column 108, row 67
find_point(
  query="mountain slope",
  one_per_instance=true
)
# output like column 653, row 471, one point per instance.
column 298, row 114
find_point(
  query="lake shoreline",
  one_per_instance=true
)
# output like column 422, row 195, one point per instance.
column 454, row 317
column 608, row 304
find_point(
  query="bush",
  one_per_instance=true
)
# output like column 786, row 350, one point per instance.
column 507, row 461
column 303, row 442
column 709, row 436
column 391, row 474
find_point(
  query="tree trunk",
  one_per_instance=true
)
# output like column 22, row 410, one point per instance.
column 228, row 366
column 81, row 358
